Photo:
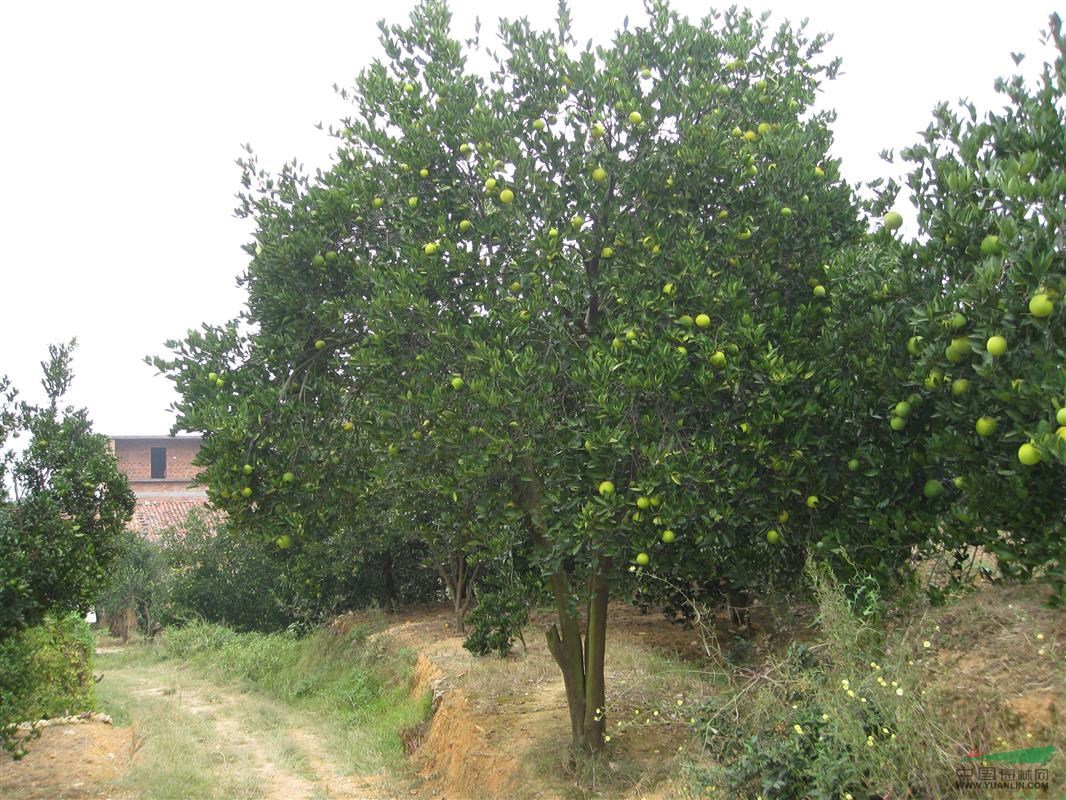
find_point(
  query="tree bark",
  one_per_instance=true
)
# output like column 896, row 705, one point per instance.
column 459, row 577
column 580, row 660
column 388, row 582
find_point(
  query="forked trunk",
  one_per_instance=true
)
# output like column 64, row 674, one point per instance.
column 580, row 659
column 459, row 577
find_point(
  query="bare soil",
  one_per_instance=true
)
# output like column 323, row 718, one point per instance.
column 69, row 762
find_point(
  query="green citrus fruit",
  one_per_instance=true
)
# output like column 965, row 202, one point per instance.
column 1028, row 455
column 773, row 537
column 996, row 345
column 643, row 559
column 891, row 221
column 606, row 488
column 702, row 321
column 990, row 245
column 932, row 489
column 986, row 426
column 1041, row 305
column 668, row 536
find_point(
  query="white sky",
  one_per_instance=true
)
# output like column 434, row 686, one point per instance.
column 120, row 123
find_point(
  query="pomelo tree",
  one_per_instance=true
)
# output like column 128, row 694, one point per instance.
column 591, row 281
column 987, row 338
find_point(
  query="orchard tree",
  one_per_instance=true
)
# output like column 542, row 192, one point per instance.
column 987, row 338
column 591, row 279
column 64, row 509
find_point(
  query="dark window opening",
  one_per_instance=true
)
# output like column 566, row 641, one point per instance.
column 159, row 462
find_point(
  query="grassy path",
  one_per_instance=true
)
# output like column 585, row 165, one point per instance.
column 195, row 738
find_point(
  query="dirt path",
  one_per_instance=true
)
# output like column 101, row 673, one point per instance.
column 178, row 735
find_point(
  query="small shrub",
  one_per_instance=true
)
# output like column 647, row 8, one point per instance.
column 45, row 671
column 497, row 621
column 842, row 716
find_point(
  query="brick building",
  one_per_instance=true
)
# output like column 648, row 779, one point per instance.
column 161, row 474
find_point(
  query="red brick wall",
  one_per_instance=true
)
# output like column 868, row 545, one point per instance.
column 135, row 459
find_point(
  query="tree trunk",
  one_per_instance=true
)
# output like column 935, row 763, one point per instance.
column 581, row 661
column 388, row 582
column 459, row 577
column 738, row 603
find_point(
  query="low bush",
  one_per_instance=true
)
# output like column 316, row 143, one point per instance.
column 497, row 621
column 840, row 717
column 45, row 671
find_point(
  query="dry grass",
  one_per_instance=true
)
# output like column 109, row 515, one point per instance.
column 997, row 667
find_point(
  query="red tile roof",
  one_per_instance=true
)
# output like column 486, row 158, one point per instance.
column 152, row 514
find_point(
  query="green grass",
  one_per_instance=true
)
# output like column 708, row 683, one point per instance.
column 180, row 755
